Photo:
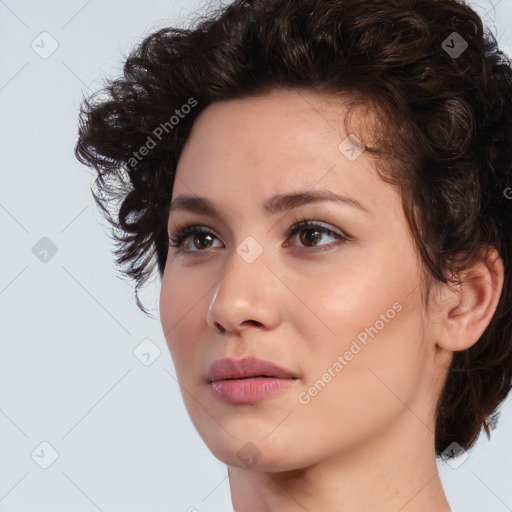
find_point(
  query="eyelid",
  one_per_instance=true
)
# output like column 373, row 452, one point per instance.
column 178, row 235
column 304, row 223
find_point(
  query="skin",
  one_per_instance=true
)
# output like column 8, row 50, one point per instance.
column 366, row 440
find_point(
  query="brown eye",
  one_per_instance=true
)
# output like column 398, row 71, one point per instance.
column 310, row 233
column 201, row 237
column 307, row 238
column 200, row 240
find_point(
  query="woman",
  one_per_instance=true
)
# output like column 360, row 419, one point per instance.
column 327, row 374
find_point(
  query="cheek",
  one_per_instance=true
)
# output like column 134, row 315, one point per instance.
column 181, row 300
column 367, row 333
column 366, row 290
column 351, row 399
column 374, row 364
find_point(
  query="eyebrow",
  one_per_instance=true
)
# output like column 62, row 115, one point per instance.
column 272, row 206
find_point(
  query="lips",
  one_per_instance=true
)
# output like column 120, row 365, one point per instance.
column 248, row 380
column 224, row 369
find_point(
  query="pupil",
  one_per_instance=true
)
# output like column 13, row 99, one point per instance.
column 198, row 237
column 315, row 238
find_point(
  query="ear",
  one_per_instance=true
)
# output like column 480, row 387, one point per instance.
column 467, row 311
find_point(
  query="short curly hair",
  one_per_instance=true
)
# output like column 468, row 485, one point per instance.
column 444, row 103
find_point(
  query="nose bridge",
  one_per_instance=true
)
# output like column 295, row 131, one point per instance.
column 244, row 292
column 246, row 273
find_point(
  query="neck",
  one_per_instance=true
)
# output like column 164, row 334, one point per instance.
column 383, row 474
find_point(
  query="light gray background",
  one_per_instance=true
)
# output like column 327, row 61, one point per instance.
column 69, row 326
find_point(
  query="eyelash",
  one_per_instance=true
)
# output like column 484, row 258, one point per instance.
column 177, row 237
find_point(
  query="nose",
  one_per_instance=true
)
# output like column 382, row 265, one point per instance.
column 247, row 295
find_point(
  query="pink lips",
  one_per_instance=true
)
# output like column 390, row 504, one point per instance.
column 247, row 380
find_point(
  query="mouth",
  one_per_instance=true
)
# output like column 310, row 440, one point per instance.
column 248, row 367
column 253, row 377
column 247, row 380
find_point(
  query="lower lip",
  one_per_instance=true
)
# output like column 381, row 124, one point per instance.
column 240, row 391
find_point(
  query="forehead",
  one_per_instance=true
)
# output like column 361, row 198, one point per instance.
column 272, row 144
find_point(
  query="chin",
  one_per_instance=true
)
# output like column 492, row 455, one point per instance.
column 248, row 448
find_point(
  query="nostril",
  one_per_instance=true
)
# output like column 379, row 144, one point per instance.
column 253, row 322
column 220, row 328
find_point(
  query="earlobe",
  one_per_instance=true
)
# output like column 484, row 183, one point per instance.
column 471, row 307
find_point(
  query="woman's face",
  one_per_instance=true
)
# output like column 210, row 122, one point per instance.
column 341, row 312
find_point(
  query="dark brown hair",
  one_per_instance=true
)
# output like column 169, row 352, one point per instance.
column 445, row 126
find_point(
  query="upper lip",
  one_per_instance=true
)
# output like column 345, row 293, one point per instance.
column 247, row 367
